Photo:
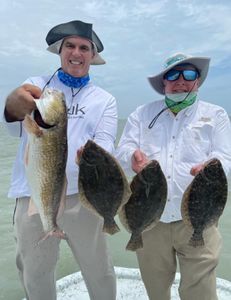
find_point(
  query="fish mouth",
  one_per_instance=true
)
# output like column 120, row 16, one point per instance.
column 38, row 119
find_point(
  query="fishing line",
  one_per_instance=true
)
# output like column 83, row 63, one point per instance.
column 48, row 82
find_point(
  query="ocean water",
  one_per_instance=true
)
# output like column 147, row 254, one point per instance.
column 10, row 288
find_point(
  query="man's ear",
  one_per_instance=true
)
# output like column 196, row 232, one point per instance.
column 198, row 82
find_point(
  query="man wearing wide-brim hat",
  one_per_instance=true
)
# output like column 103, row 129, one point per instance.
column 182, row 133
column 92, row 114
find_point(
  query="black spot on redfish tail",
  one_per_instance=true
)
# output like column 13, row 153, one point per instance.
column 196, row 239
column 110, row 226
column 135, row 242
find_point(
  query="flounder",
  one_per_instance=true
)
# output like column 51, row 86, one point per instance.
column 45, row 158
column 204, row 200
column 146, row 204
column 103, row 186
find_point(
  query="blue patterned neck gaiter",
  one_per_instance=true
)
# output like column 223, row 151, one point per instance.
column 71, row 81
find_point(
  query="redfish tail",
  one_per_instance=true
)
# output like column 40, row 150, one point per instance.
column 58, row 233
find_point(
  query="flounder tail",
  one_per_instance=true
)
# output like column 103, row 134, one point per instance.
column 110, row 226
column 196, row 240
column 135, row 242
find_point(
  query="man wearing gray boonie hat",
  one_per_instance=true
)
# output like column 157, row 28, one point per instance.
column 92, row 114
column 182, row 133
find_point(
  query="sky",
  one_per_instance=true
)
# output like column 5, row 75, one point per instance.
column 138, row 35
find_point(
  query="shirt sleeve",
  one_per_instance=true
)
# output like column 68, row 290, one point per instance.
column 15, row 128
column 129, row 142
column 106, row 130
column 221, row 141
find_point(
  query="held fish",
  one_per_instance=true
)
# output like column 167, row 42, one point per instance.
column 103, row 186
column 204, row 200
column 146, row 204
column 45, row 158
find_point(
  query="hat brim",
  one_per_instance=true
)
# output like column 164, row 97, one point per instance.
column 201, row 63
column 96, row 60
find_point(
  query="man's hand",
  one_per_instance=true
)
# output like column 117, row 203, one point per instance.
column 21, row 102
column 139, row 161
column 196, row 169
column 78, row 155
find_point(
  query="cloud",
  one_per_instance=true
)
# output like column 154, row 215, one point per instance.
column 19, row 48
column 212, row 24
column 152, row 10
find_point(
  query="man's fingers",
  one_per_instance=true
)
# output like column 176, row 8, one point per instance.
column 78, row 155
column 33, row 90
column 139, row 161
column 138, row 156
column 196, row 169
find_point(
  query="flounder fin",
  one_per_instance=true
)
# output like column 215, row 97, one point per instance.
column 123, row 219
column 84, row 201
column 184, row 207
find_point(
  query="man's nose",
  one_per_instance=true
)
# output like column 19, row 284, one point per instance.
column 181, row 80
column 76, row 51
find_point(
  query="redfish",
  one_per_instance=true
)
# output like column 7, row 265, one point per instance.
column 46, row 156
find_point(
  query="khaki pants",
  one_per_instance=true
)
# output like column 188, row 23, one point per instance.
column 36, row 264
column 166, row 243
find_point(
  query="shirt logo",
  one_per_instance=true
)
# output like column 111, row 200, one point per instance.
column 204, row 119
column 76, row 111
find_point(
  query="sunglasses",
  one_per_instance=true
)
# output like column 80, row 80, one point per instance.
column 188, row 75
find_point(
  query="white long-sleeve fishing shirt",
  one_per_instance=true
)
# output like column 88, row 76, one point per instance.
column 92, row 114
column 195, row 135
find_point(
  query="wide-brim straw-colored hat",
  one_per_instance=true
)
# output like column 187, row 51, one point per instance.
column 200, row 63
column 58, row 33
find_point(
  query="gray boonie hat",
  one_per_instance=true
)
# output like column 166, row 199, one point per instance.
column 201, row 63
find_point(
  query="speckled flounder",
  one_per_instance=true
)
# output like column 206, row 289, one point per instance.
column 103, row 186
column 204, row 200
column 146, row 204
column 45, row 158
